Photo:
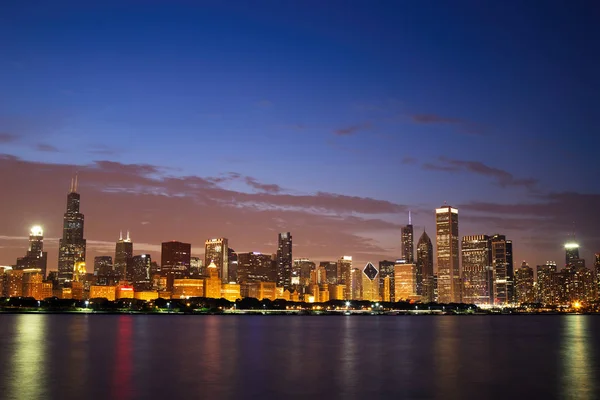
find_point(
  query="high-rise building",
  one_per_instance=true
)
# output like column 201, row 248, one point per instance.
column 123, row 255
column 217, row 252
column 571, row 253
column 597, row 272
column 408, row 242
column 196, row 267
column 32, row 283
column 503, row 269
column 425, row 268
column 212, row 283
column 344, row 275
column 36, row 257
column 233, row 266
column 255, row 267
column 449, row 283
column 405, row 280
column 102, row 265
column 369, row 288
column 176, row 255
column 476, row 265
column 524, row 292
column 71, row 247
column 284, row 260
column 386, row 280
column 331, row 268
column 545, row 282
column 139, row 273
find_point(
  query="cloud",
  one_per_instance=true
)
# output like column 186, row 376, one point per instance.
column 7, row 137
column 407, row 160
column 264, row 187
column 48, row 148
column 351, row 130
column 503, row 178
column 463, row 126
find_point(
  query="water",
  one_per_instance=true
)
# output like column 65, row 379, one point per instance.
column 299, row 357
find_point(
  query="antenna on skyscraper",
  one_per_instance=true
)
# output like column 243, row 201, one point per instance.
column 120, row 235
column 128, row 235
column 409, row 218
column 71, row 187
column 75, row 187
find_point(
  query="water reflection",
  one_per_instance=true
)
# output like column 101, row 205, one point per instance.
column 577, row 367
column 123, row 358
column 28, row 372
column 446, row 359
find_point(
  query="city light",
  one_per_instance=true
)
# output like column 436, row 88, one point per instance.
column 571, row 245
column 36, row 230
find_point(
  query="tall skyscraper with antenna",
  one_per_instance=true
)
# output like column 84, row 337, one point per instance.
column 123, row 256
column 71, row 248
column 408, row 241
column 449, row 285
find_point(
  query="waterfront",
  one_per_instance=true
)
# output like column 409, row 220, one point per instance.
column 443, row 357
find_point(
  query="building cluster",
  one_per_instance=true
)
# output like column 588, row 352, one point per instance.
column 474, row 269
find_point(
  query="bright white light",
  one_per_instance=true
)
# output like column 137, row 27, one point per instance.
column 571, row 246
column 347, row 304
column 36, row 231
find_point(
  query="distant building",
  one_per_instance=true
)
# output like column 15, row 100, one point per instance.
column 123, row 255
column 503, row 269
column 36, row 257
column 217, row 251
column 233, row 265
column 186, row 287
column 259, row 290
column 13, row 283
column 101, row 291
column 344, row 275
column 331, row 271
column 405, row 280
column 255, row 267
column 140, row 272
column 545, row 283
column 425, row 266
column 212, row 283
column 370, row 283
column 284, row 260
column 448, row 276
column 476, row 269
column 571, row 253
column 524, row 288
column 386, row 280
column 196, row 267
column 408, row 242
column 72, row 245
column 231, row 291
column 32, row 283
column 103, row 265
column 175, row 261
column 597, row 272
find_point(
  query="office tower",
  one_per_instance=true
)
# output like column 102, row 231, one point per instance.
column 212, row 283
column 231, row 291
column 583, row 289
column 139, row 273
column 233, row 266
column 369, row 288
column 597, row 272
column 318, row 276
column 425, row 268
column 217, row 252
column 301, row 271
column 524, row 292
column 102, row 265
column 476, row 262
column 196, row 267
column 503, row 270
column 186, row 288
column 35, row 257
column 571, row 253
column 123, row 254
column 255, row 267
column 176, row 255
column 386, row 280
column 13, row 282
column 331, row 268
column 32, row 283
column 344, row 275
column 284, row 260
column 71, row 248
column 408, row 242
column 405, row 281
column 449, row 285
column 545, row 282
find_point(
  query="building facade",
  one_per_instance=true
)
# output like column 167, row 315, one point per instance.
column 284, row 260
column 123, row 255
column 425, row 267
column 476, row 268
column 449, row 282
column 217, row 251
column 72, row 245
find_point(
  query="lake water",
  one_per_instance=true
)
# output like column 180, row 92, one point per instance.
column 299, row 357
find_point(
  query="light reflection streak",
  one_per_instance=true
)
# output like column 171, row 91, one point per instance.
column 29, row 359
column 577, row 380
column 122, row 385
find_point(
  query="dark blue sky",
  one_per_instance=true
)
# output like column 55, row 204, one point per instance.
column 414, row 103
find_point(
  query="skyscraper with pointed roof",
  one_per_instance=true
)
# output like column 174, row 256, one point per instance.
column 425, row 267
column 72, row 245
column 408, row 244
column 123, row 256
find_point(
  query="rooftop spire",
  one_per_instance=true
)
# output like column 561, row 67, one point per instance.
column 128, row 236
column 75, row 187
column 120, row 235
column 409, row 218
column 71, row 187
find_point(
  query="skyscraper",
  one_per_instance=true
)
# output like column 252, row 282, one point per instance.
column 503, row 269
column 597, row 271
column 476, row 262
column 408, row 242
column 571, row 253
column 369, row 287
column 344, row 275
column 545, row 282
column 284, row 260
column 255, row 267
column 386, row 280
column 449, row 285
column 140, row 272
column 123, row 255
column 176, row 255
column 102, row 265
column 217, row 252
column 71, row 247
column 524, row 284
column 405, row 280
column 35, row 257
column 425, row 268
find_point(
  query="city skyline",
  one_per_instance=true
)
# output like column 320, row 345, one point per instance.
column 270, row 116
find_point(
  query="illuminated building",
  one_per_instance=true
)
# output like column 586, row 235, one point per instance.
column 186, row 287
column 405, row 280
column 196, row 267
column 476, row 263
column 139, row 267
column 259, row 290
column 545, row 283
column 314, row 291
column 106, row 292
column 217, row 252
column 71, row 247
column 386, row 280
column 584, row 289
column 502, row 269
column 318, row 276
column 301, row 271
column 597, row 272
column 146, row 295
column 124, row 291
column 356, row 280
column 331, row 271
column 425, row 266
column 123, row 255
column 36, row 257
column 13, row 283
column 370, row 283
column 175, row 261
column 77, row 290
column 103, row 265
column 231, row 291
column 63, row 292
column 337, row 292
column 255, row 267
column 212, row 283
column 571, row 253
column 324, row 293
column 524, row 292
column 46, row 290
column 32, row 283
column 284, row 260
column 233, row 265
column 344, row 275
column 448, row 272
column 79, row 271
column 407, row 244
column 3, row 287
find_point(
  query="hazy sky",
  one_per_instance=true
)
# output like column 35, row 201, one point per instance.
column 188, row 120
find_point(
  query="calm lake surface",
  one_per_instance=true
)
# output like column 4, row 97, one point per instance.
column 299, row 357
